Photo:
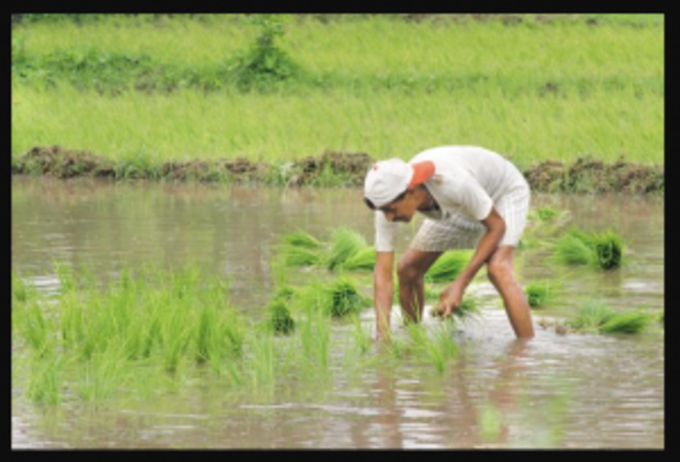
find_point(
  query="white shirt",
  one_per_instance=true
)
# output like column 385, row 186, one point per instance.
column 467, row 180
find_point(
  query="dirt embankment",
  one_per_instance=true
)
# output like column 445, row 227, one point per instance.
column 330, row 168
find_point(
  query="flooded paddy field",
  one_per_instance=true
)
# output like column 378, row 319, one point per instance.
column 563, row 391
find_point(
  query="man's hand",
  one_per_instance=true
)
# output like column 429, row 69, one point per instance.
column 451, row 298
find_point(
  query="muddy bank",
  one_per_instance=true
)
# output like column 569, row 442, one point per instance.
column 586, row 175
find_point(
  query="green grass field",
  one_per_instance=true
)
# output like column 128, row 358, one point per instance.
column 164, row 89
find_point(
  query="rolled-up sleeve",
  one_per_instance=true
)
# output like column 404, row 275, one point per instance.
column 385, row 233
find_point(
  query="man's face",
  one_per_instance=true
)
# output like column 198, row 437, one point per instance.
column 401, row 209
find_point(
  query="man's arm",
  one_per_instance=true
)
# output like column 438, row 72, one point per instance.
column 453, row 294
column 383, row 292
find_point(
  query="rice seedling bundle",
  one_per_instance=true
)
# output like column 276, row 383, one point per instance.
column 302, row 239
column 597, row 318
column 300, row 256
column 540, row 293
column 627, row 323
column 363, row 259
column 345, row 243
column 603, row 250
column 448, row 266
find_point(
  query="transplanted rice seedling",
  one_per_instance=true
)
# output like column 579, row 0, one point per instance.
column 301, row 238
column 169, row 319
column 363, row 259
column 299, row 256
column 22, row 289
column 448, row 266
column 603, row 250
column 314, row 339
column 541, row 293
column 279, row 317
column 597, row 318
column 345, row 243
column 338, row 298
column 627, row 323
column 435, row 344
column 467, row 311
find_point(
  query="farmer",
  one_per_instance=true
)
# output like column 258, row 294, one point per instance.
column 472, row 198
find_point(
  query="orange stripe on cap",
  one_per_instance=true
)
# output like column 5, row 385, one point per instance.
column 422, row 171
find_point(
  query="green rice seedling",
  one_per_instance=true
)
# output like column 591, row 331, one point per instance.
column 603, row 250
column 572, row 250
column 627, row 323
column 467, row 311
column 608, row 248
column 262, row 360
column 344, row 298
column 339, row 297
column 279, row 317
column 540, row 293
column 363, row 259
column 545, row 213
column 345, row 243
column 102, row 375
column 34, row 326
column 301, row 238
column 490, row 421
column 661, row 317
column 434, row 345
column 294, row 256
column 360, row 338
column 206, row 336
column 448, row 266
column 22, row 290
column 314, row 339
column 591, row 316
column 45, row 379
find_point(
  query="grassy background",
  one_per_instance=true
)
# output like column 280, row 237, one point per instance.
column 161, row 88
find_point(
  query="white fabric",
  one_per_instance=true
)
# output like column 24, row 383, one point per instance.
column 468, row 182
column 459, row 232
column 386, row 180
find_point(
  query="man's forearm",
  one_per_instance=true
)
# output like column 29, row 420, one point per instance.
column 487, row 245
column 383, row 296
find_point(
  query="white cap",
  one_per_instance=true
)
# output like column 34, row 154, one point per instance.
column 387, row 179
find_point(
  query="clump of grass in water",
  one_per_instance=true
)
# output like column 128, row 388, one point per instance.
column 278, row 313
column 603, row 250
column 448, row 266
column 436, row 346
column 345, row 243
column 303, row 239
column 338, row 298
column 467, row 311
column 167, row 318
column 540, row 293
column 22, row 290
column 363, row 259
column 597, row 318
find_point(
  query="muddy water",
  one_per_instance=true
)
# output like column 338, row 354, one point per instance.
column 555, row 391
